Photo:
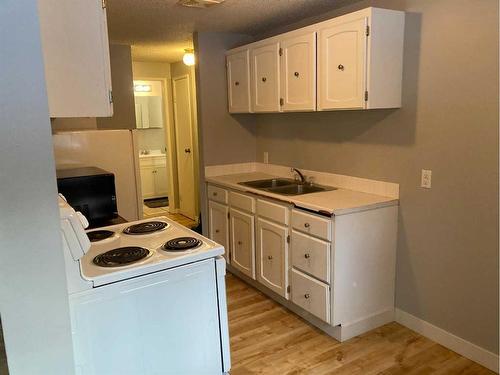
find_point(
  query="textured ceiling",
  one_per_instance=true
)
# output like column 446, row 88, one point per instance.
column 159, row 30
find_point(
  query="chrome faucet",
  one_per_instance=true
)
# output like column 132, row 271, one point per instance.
column 303, row 180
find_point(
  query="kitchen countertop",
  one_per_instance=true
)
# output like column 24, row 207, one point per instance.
column 335, row 202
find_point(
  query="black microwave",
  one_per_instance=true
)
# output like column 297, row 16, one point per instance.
column 91, row 191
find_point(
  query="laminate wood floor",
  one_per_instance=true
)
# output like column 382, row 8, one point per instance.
column 266, row 338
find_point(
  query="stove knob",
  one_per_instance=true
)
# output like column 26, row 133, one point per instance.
column 83, row 219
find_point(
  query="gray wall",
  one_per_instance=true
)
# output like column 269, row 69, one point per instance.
column 33, row 296
column 447, row 266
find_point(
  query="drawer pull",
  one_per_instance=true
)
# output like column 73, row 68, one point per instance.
column 307, row 256
column 217, row 231
column 306, row 296
column 270, row 257
column 307, row 225
column 214, row 194
column 240, row 243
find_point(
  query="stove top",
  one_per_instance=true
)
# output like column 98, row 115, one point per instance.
column 167, row 243
column 145, row 227
column 123, row 256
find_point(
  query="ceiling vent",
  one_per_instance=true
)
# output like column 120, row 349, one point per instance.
column 199, row 3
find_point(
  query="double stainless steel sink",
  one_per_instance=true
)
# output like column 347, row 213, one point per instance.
column 286, row 186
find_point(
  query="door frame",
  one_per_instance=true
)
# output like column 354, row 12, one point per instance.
column 194, row 136
column 168, row 118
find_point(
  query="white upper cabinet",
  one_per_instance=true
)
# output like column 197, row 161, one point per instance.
column 353, row 61
column 238, row 82
column 342, row 59
column 265, row 71
column 298, row 72
column 360, row 60
column 76, row 55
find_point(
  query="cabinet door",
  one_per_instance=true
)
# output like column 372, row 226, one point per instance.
column 298, row 73
column 272, row 256
column 265, row 78
column 238, row 82
column 242, row 242
column 161, row 182
column 76, row 53
column 342, row 65
column 218, row 226
column 148, row 182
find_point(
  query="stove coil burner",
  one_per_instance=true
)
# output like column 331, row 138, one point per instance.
column 99, row 235
column 181, row 244
column 146, row 227
column 121, row 256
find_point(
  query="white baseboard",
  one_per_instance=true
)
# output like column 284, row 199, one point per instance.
column 449, row 340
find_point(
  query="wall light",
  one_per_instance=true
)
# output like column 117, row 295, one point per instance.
column 188, row 57
column 142, row 88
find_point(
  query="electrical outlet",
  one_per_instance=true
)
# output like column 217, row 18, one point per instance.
column 266, row 157
column 426, row 179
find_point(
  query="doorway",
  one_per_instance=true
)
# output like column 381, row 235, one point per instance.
column 168, row 153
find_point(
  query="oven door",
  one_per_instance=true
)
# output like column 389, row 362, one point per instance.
column 162, row 323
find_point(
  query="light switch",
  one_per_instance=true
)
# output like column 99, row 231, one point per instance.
column 426, row 179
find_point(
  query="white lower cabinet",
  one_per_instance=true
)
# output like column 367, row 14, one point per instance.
column 272, row 256
column 243, row 242
column 154, row 179
column 310, row 294
column 218, row 216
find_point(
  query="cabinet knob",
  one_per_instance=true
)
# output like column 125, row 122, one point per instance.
column 296, row 74
column 270, row 257
column 217, row 231
column 264, row 79
column 236, row 83
column 307, row 256
column 340, row 67
column 215, row 194
column 240, row 243
column 306, row 296
column 187, row 150
column 307, row 225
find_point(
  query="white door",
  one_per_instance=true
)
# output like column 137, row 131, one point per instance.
column 238, row 82
column 341, row 65
column 184, row 144
column 242, row 242
column 148, row 188
column 298, row 73
column 218, row 223
column 265, row 89
column 272, row 256
column 161, row 182
column 163, row 323
column 75, row 48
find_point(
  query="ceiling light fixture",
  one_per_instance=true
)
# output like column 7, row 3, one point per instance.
column 142, row 88
column 199, row 3
column 188, row 57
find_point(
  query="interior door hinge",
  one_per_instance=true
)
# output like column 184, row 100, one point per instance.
column 282, row 101
column 228, row 215
column 367, row 30
column 288, row 289
column 288, row 239
column 366, row 96
column 110, row 96
column 280, row 51
column 103, row 4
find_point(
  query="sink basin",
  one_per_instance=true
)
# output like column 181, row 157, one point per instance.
column 299, row 189
column 269, row 183
column 285, row 186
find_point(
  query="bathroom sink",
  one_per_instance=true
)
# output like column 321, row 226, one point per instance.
column 269, row 183
column 299, row 189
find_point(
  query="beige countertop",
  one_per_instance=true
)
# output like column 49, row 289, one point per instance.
column 336, row 202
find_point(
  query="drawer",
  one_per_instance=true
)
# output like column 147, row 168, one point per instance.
column 217, row 194
column 310, row 294
column 242, row 201
column 311, row 255
column 273, row 211
column 312, row 224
